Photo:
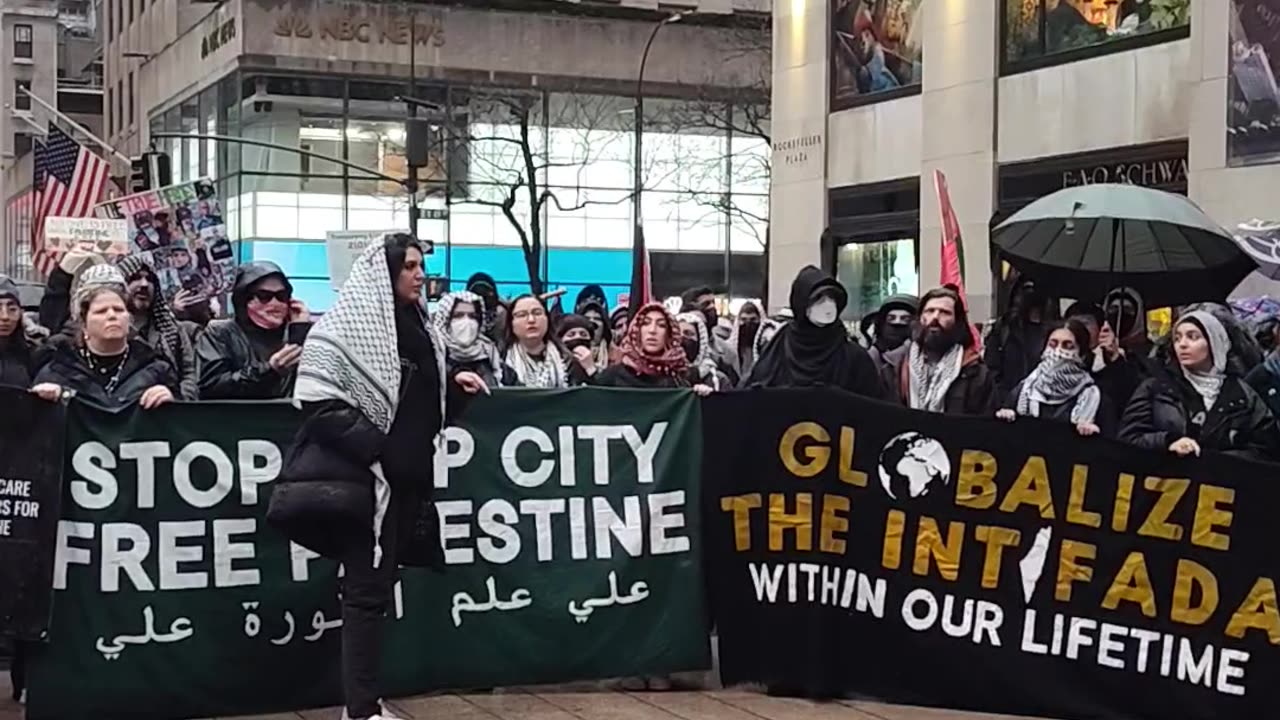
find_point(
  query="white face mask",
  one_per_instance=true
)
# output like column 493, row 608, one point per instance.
column 465, row 330
column 823, row 312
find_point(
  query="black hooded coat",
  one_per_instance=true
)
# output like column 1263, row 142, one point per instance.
column 805, row 355
column 233, row 352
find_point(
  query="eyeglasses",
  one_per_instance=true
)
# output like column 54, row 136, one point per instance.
column 533, row 314
column 266, row 296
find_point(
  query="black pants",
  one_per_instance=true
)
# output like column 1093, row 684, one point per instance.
column 366, row 597
column 18, row 669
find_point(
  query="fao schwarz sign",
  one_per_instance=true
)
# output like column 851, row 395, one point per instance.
column 390, row 27
column 1151, row 173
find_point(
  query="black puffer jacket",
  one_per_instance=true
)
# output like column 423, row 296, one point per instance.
column 233, row 353
column 1166, row 408
column 15, row 360
column 324, row 496
column 143, row 368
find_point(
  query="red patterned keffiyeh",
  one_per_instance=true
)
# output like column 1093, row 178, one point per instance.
column 671, row 361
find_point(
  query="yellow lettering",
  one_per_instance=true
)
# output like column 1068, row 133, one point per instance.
column 1132, row 584
column 1124, row 501
column 1075, row 501
column 996, row 540
column 833, row 523
column 817, row 455
column 1257, row 612
column 891, row 554
column 1210, row 515
column 976, row 486
column 741, row 507
column 847, row 473
column 929, row 544
column 1191, row 574
column 1072, row 571
column 1031, row 488
column 1171, row 491
column 800, row 522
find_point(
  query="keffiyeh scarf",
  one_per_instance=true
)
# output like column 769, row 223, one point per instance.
column 1058, row 378
column 161, row 315
column 548, row 372
column 482, row 348
column 672, row 362
column 352, row 355
column 928, row 384
column 705, row 365
column 1208, row 384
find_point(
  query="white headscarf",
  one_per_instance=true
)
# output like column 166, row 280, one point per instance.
column 482, row 348
column 1208, row 384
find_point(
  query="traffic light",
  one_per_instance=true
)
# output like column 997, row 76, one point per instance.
column 150, row 171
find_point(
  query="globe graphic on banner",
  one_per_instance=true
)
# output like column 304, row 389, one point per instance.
column 911, row 464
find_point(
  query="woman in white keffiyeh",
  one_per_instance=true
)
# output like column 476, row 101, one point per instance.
column 356, row 484
column 1061, row 386
column 457, row 319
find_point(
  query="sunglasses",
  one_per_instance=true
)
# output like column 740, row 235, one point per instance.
column 266, row 296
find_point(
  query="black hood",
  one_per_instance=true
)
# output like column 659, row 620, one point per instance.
column 9, row 289
column 482, row 277
column 248, row 275
column 587, row 293
column 808, row 282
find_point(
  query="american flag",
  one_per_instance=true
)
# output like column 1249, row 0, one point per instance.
column 68, row 182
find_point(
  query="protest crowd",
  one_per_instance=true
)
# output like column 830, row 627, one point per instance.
column 383, row 369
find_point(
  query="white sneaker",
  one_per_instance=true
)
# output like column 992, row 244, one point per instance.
column 384, row 715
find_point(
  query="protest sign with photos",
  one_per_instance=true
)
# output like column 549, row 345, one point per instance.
column 181, row 230
column 105, row 236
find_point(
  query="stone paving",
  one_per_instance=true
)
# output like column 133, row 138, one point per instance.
column 559, row 704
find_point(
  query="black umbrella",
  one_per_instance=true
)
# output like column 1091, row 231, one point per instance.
column 1261, row 239
column 1081, row 242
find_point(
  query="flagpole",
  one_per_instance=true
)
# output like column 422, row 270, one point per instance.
column 83, row 130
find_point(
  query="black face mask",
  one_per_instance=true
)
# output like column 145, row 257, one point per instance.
column 712, row 317
column 893, row 336
column 690, row 348
column 747, row 330
column 576, row 343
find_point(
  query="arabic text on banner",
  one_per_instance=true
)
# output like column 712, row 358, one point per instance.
column 569, row 523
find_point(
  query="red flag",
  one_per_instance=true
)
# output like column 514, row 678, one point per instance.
column 952, row 247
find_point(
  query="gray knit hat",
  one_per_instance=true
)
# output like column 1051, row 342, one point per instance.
column 94, row 278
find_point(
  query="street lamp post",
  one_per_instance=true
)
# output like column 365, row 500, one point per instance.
column 638, row 179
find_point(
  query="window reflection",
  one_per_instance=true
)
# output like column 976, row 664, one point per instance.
column 873, row 271
column 1034, row 28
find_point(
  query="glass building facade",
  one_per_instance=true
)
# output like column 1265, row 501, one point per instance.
column 705, row 185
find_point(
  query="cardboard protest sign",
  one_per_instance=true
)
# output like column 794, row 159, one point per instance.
column 343, row 247
column 100, row 235
column 181, row 229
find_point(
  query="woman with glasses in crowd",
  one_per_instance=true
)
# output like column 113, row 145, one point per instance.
column 254, row 355
column 531, row 352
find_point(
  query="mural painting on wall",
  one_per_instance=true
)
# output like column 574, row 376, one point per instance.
column 1253, row 104
column 875, row 47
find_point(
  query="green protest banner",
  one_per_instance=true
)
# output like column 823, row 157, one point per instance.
column 569, row 522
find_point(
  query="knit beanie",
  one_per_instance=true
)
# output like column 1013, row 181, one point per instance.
column 94, row 278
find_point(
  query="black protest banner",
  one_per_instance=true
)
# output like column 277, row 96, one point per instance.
column 855, row 547
column 31, row 435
